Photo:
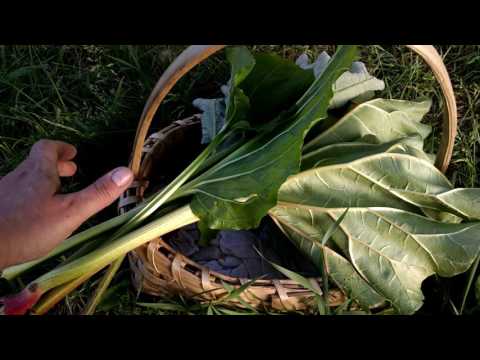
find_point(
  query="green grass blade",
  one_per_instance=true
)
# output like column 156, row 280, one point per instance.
column 103, row 286
column 331, row 230
column 454, row 308
column 471, row 277
column 343, row 308
column 292, row 275
column 210, row 310
column 234, row 293
column 321, row 298
column 163, row 306
column 334, row 227
column 234, row 313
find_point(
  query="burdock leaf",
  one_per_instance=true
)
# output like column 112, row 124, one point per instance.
column 274, row 85
column 260, row 87
column 356, row 84
column 237, row 192
column 213, row 117
column 237, row 103
column 385, row 120
column 347, row 152
column 392, row 247
column 339, row 269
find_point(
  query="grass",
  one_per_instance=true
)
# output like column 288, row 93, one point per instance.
column 92, row 96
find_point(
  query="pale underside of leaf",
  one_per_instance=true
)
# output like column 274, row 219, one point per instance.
column 393, row 249
column 415, row 110
column 213, row 117
column 370, row 119
column 351, row 151
column 464, row 201
column 395, row 180
column 339, row 269
column 355, row 84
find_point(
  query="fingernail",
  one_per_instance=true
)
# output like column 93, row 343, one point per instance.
column 122, row 176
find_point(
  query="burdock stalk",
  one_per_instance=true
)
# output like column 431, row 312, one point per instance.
column 20, row 303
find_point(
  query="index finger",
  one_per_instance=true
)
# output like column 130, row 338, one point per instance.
column 45, row 156
column 53, row 150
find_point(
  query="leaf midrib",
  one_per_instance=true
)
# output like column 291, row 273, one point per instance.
column 289, row 204
column 300, row 120
column 391, row 190
column 391, row 261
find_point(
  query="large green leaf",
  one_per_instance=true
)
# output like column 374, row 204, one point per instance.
column 241, row 64
column 347, row 152
column 237, row 103
column 386, row 120
column 274, row 85
column 464, row 201
column 237, row 192
column 393, row 247
column 340, row 270
column 262, row 86
column 355, row 84
column 234, row 107
column 415, row 110
column 259, row 88
column 384, row 179
column 379, row 117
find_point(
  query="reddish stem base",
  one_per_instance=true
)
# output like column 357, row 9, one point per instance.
column 20, row 303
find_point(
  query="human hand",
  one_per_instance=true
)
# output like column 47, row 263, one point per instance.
column 34, row 217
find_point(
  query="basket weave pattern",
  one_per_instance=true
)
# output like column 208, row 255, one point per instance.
column 159, row 270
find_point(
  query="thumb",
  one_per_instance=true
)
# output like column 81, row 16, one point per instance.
column 99, row 195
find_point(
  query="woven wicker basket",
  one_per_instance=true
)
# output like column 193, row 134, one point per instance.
column 161, row 271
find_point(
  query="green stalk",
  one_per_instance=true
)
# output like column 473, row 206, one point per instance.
column 156, row 202
column 57, row 294
column 103, row 286
column 160, row 198
column 86, row 248
column 97, row 259
column 100, row 258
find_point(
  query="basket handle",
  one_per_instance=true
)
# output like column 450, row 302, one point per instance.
column 195, row 54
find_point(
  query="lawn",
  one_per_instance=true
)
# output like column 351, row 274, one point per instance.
column 92, row 97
